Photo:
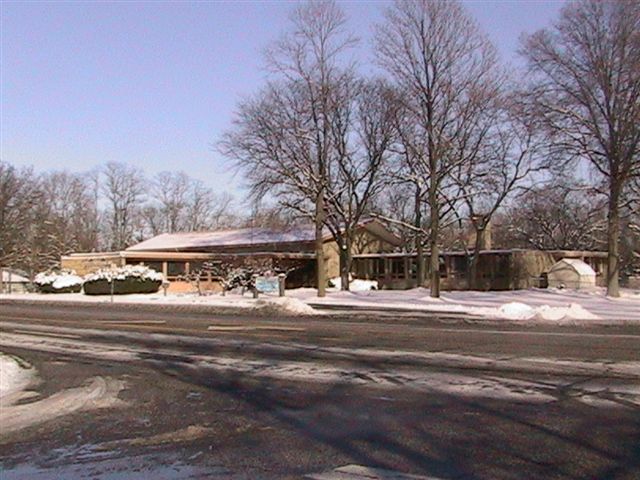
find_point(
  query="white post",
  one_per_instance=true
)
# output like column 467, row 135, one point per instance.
column 255, row 289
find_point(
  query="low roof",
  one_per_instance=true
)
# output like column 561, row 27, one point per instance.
column 576, row 264
column 223, row 238
column 245, row 237
column 15, row 278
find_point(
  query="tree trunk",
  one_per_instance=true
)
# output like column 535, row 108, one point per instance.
column 434, row 259
column 345, row 264
column 613, row 237
column 321, row 271
column 419, row 250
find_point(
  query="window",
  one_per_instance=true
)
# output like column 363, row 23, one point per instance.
column 459, row 264
column 175, row 269
column 502, row 266
column 378, row 267
column 442, row 267
column 157, row 266
column 413, row 268
column 397, row 267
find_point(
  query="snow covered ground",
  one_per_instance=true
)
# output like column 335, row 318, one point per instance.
column 15, row 376
column 534, row 305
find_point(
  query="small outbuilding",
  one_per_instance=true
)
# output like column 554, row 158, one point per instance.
column 571, row 273
column 13, row 282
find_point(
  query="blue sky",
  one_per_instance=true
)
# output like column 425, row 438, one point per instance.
column 154, row 83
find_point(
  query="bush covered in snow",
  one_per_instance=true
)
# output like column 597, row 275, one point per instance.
column 60, row 281
column 127, row 279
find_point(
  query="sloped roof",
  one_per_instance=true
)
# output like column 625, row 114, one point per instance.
column 243, row 237
column 224, row 238
column 578, row 265
column 15, row 278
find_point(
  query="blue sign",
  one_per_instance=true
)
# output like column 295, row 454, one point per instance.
column 267, row 284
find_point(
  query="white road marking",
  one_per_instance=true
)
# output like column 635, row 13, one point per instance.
column 133, row 322
column 360, row 472
column 528, row 332
column 48, row 334
column 223, row 328
column 232, row 328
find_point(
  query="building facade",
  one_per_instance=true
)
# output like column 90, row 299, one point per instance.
column 509, row 269
column 182, row 255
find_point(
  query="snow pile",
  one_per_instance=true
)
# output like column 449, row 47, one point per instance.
column 522, row 311
column 516, row 311
column 355, row 284
column 283, row 305
column 123, row 273
column 14, row 377
column 62, row 281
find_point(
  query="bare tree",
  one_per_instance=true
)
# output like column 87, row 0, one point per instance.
column 558, row 216
column 498, row 167
column 153, row 220
column 170, row 190
column 183, row 204
column 289, row 128
column 585, row 85
column 20, row 194
column 124, row 190
column 363, row 132
column 205, row 209
column 71, row 214
column 448, row 70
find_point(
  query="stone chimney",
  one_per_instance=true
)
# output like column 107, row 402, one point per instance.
column 486, row 242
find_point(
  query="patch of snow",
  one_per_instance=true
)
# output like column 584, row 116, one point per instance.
column 516, row 311
column 355, row 284
column 15, row 376
column 522, row 311
column 98, row 393
column 285, row 305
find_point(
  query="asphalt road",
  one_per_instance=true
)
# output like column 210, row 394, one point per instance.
column 206, row 396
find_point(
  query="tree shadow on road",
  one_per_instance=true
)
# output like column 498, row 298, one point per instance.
column 426, row 433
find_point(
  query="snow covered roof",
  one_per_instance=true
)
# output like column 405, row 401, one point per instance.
column 15, row 278
column 576, row 264
column 224, row 238
column 244, row 237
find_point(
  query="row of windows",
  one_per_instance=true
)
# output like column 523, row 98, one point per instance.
column 454, row 266
column 175, row 269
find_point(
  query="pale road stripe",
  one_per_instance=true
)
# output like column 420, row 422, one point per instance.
column 233, row 328
column 360, row 472
column 132, row 322
column 527, row 332
column 228, row 328
column 281, row 327
column 49, row 334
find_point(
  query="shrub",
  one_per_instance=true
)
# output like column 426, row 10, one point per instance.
column 58, row 281
column 127, row 279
